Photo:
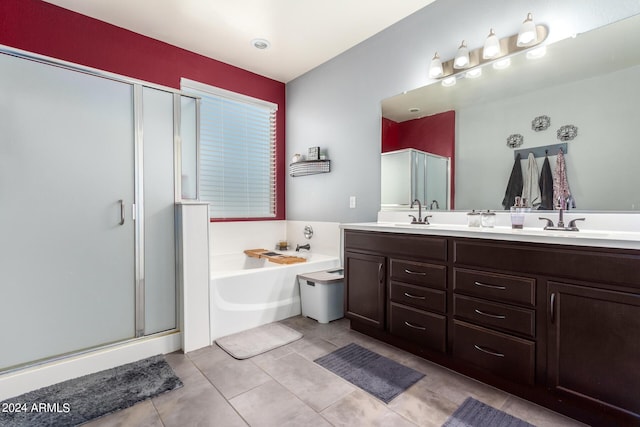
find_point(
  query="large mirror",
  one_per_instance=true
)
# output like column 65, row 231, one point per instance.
column 591, row 82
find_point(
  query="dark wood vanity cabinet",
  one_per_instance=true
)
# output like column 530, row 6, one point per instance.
column 556, row 324
column 594, row 345
column 365, row 297
column 389, row 290
column 418, row 303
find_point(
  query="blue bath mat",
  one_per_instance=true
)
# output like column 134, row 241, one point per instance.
column 473, row 413
column 375, row 374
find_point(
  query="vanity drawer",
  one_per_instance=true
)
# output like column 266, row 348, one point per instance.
column 418, row 273
column 503, row 355
column 494, row 286
column 492, row 314
column 409, row 245
column 428, row 330
column 418, row 296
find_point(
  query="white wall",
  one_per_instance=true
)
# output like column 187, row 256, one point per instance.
column 337, row 106
column 602, row 109
column 233, row 237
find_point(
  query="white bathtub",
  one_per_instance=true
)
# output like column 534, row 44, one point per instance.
column 248, row 292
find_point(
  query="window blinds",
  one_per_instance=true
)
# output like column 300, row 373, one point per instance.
column 237, row 153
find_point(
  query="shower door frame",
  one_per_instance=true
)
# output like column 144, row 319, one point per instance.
column 137, row 211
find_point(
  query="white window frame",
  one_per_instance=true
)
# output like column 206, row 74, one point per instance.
column 231, row 192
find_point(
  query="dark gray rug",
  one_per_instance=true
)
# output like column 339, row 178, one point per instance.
column 473, row 413
column 79, row 400
column 375, row 374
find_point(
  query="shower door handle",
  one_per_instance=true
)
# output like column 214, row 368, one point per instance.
column 121, row 211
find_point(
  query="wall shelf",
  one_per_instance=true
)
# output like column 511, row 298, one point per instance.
column 309, row 167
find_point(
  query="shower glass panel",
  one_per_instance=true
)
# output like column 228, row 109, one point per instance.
column 159, row 280
column 437, row 181
column 411, row 174
column 66, row 195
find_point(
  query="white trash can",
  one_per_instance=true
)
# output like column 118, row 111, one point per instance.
column 322, row 294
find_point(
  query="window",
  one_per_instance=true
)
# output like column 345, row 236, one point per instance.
column 237, row 153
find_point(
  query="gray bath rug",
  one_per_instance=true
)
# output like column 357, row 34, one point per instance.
column 473, row 413
column 249, row 343
column 82, row 399
column 375, row 374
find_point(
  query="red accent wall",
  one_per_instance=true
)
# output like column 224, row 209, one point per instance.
column 435, row 134
column 46, row 29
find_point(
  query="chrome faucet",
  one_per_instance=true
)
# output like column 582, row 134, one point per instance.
column 563, row 204
column 432, row 203
column 307, row 247
column 419, row 220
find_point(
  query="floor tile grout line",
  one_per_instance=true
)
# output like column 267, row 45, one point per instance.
column 217, row 389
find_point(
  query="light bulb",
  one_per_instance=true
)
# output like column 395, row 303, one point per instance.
column 491, row 46
column 502, row 64
column 528, row 34
column 449, row 81
column 435, row 68
column 473, row 73
column 462, row 56
column 536, row 53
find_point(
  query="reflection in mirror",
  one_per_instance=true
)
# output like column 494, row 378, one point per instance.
column 410, row 174
column 591, row 81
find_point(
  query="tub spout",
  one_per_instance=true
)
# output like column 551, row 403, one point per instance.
column 307, row 247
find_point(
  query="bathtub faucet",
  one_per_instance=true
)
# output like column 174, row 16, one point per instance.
column 307, row 247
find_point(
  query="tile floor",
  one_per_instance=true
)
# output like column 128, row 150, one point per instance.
column 284, row 387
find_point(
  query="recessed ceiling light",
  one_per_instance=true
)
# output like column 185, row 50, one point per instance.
column 261, row 44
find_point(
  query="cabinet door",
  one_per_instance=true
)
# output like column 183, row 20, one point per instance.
column 365, row 290
column 594, row 344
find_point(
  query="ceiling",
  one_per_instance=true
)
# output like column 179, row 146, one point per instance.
column 302, row 33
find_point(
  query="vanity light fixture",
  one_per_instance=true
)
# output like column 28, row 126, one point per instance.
column 536, row 53
column 502, row 64
column 495, row 51
column 435, row 68
column 462, row 57
column 527, row 36
column 449, row 81
column 491, row 47
column 473, row 73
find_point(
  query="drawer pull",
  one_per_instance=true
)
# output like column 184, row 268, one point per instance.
column 484, row 285
column 417, row 273
column 415, row 327
column 495, row 316
column 484, row 350
column 413, row 296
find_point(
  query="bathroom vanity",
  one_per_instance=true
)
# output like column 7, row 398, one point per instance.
column 555, row 320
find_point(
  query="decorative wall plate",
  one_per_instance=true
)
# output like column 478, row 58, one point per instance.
column 541, row 123
column 515, row 140
column 567, row 132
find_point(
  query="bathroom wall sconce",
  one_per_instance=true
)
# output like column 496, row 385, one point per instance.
column 491, row 49
column 467, row 63
column 527, row 35
column 462, row 57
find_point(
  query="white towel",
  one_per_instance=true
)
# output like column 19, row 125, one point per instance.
column 531, row 187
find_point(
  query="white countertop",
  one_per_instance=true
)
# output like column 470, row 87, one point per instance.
column 597, row 238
